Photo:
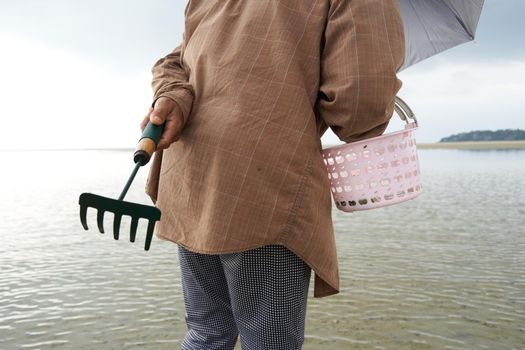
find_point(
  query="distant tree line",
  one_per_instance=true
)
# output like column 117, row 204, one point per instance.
column 487, row 135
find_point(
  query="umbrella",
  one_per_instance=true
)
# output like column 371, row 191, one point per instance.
column 433, row 26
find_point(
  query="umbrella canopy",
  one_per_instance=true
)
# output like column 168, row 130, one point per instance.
column 432, row 26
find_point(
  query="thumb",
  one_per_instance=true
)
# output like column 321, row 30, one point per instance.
column 156, row 118
column 161, row 110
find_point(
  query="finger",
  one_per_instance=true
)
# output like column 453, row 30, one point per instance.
column 156, row 118
column 163, row 107
column 166, row 141
column 172, row 131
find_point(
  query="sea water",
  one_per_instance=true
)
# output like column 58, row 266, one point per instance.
column 443, row 271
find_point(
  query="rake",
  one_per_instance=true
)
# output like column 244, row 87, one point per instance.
column 146, row 146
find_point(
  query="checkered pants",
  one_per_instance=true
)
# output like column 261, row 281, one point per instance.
column 259, row 295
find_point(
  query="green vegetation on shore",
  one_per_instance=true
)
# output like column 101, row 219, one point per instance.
column 474, row 145
column 487, row 135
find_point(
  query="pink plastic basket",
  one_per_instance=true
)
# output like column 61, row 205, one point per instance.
column 378, row 171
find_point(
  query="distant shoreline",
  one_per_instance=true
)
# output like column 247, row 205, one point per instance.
column 473, row 145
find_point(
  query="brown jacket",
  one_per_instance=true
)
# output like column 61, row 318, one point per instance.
column 259, row 82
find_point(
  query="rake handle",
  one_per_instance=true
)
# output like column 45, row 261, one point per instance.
column 148, row 143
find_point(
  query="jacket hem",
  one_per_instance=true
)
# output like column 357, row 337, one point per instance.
column 326, row 292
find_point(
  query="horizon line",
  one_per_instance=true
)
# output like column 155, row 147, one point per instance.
column 130, row 149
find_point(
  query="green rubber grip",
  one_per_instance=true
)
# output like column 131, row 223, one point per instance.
column 148, row 143
column 153, row 132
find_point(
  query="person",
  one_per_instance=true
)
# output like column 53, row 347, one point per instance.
column 238, row 173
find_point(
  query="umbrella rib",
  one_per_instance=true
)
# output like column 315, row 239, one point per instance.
column 475, row 27
column 472, row 31
column 426, row 32
column 461, row 22
column 464, row 27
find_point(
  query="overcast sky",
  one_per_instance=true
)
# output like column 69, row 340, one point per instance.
column 76, row 74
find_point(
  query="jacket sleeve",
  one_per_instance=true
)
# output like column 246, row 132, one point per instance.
column 171, row 80
column 363, row 48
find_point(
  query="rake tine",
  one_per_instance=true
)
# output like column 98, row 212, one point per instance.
column 83, row 217
column 119, row 208
column 149, row 235
column 133, row 230
column 100, row 220
column 116, row 226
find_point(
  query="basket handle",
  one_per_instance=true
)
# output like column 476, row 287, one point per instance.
column 404, row 111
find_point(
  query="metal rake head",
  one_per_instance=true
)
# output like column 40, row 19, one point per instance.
column 119, row 208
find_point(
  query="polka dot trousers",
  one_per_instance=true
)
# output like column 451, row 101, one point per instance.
column 258, row 295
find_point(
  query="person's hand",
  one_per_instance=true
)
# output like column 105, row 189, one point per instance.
column 166, row 111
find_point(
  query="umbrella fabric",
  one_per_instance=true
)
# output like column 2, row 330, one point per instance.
column 432, row 26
